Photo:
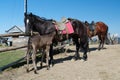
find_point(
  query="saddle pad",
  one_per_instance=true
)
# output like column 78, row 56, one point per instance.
column 69, row 28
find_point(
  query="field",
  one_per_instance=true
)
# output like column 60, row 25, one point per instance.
column 10, row 56
column 101, row 65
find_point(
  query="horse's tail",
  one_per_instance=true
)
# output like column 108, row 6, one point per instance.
column 106, row 37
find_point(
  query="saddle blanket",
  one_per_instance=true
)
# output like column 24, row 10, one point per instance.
column 68, row 28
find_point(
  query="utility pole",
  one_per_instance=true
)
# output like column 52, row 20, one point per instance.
column 25, row 12
column 25, row 6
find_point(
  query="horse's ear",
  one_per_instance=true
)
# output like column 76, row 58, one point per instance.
column 92, row 22
column 25, row 14
column 86, row 22
column 69, row 19
column 31, row 14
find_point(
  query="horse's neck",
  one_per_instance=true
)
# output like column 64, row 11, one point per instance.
column 44, row 28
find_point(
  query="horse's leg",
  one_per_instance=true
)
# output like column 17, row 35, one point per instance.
column 34, row 60
column 77, row 49
column 85, row 48
column 88, row 48
column 103, row 40
column 99, row 47
column 51, row 55
column 47, row 56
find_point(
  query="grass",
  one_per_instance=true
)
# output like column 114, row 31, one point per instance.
column 10, row 56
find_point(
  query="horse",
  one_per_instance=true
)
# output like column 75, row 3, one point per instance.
column 42, row 26
column 100, row 29
column 35, row 43
column 79, row 36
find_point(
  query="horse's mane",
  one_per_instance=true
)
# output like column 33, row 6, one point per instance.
column 39, row 18
column 74, row 20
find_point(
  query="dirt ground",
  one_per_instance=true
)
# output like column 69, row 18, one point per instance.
column 101, row 65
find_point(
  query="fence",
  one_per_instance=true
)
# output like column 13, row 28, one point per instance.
column 15, row 48
column 12, row 48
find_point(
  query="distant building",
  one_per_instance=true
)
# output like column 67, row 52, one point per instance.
column 14, row 29
column 16, row 40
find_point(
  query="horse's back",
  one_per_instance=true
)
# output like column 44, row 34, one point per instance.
column 101, row 27
column 79, row 28
column 42, row 40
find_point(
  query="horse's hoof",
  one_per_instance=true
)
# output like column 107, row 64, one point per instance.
column 41, row 66
column 35, row 72
column 98, row 49
column 48, row 68
column 74, row 59
column 85, row 57
column 27, row 70
column 53, row 64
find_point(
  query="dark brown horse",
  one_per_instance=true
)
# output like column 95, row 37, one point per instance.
column 42, row 26
column 79, row 37
column 98, row 28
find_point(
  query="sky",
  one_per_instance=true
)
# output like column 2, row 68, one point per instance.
column 107, row 11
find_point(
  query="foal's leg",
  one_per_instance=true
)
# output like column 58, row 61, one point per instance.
column 47, row 56
column 51, row 55
column 43, row 54
column 27, row 56
column 34, row 60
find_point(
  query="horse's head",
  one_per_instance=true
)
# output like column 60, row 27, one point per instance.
column 28, row 20
column 90, row 28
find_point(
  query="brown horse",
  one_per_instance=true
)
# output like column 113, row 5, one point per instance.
column 98, row 28
column 39, row 42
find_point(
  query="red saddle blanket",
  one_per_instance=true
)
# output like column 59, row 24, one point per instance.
column 68, row 28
